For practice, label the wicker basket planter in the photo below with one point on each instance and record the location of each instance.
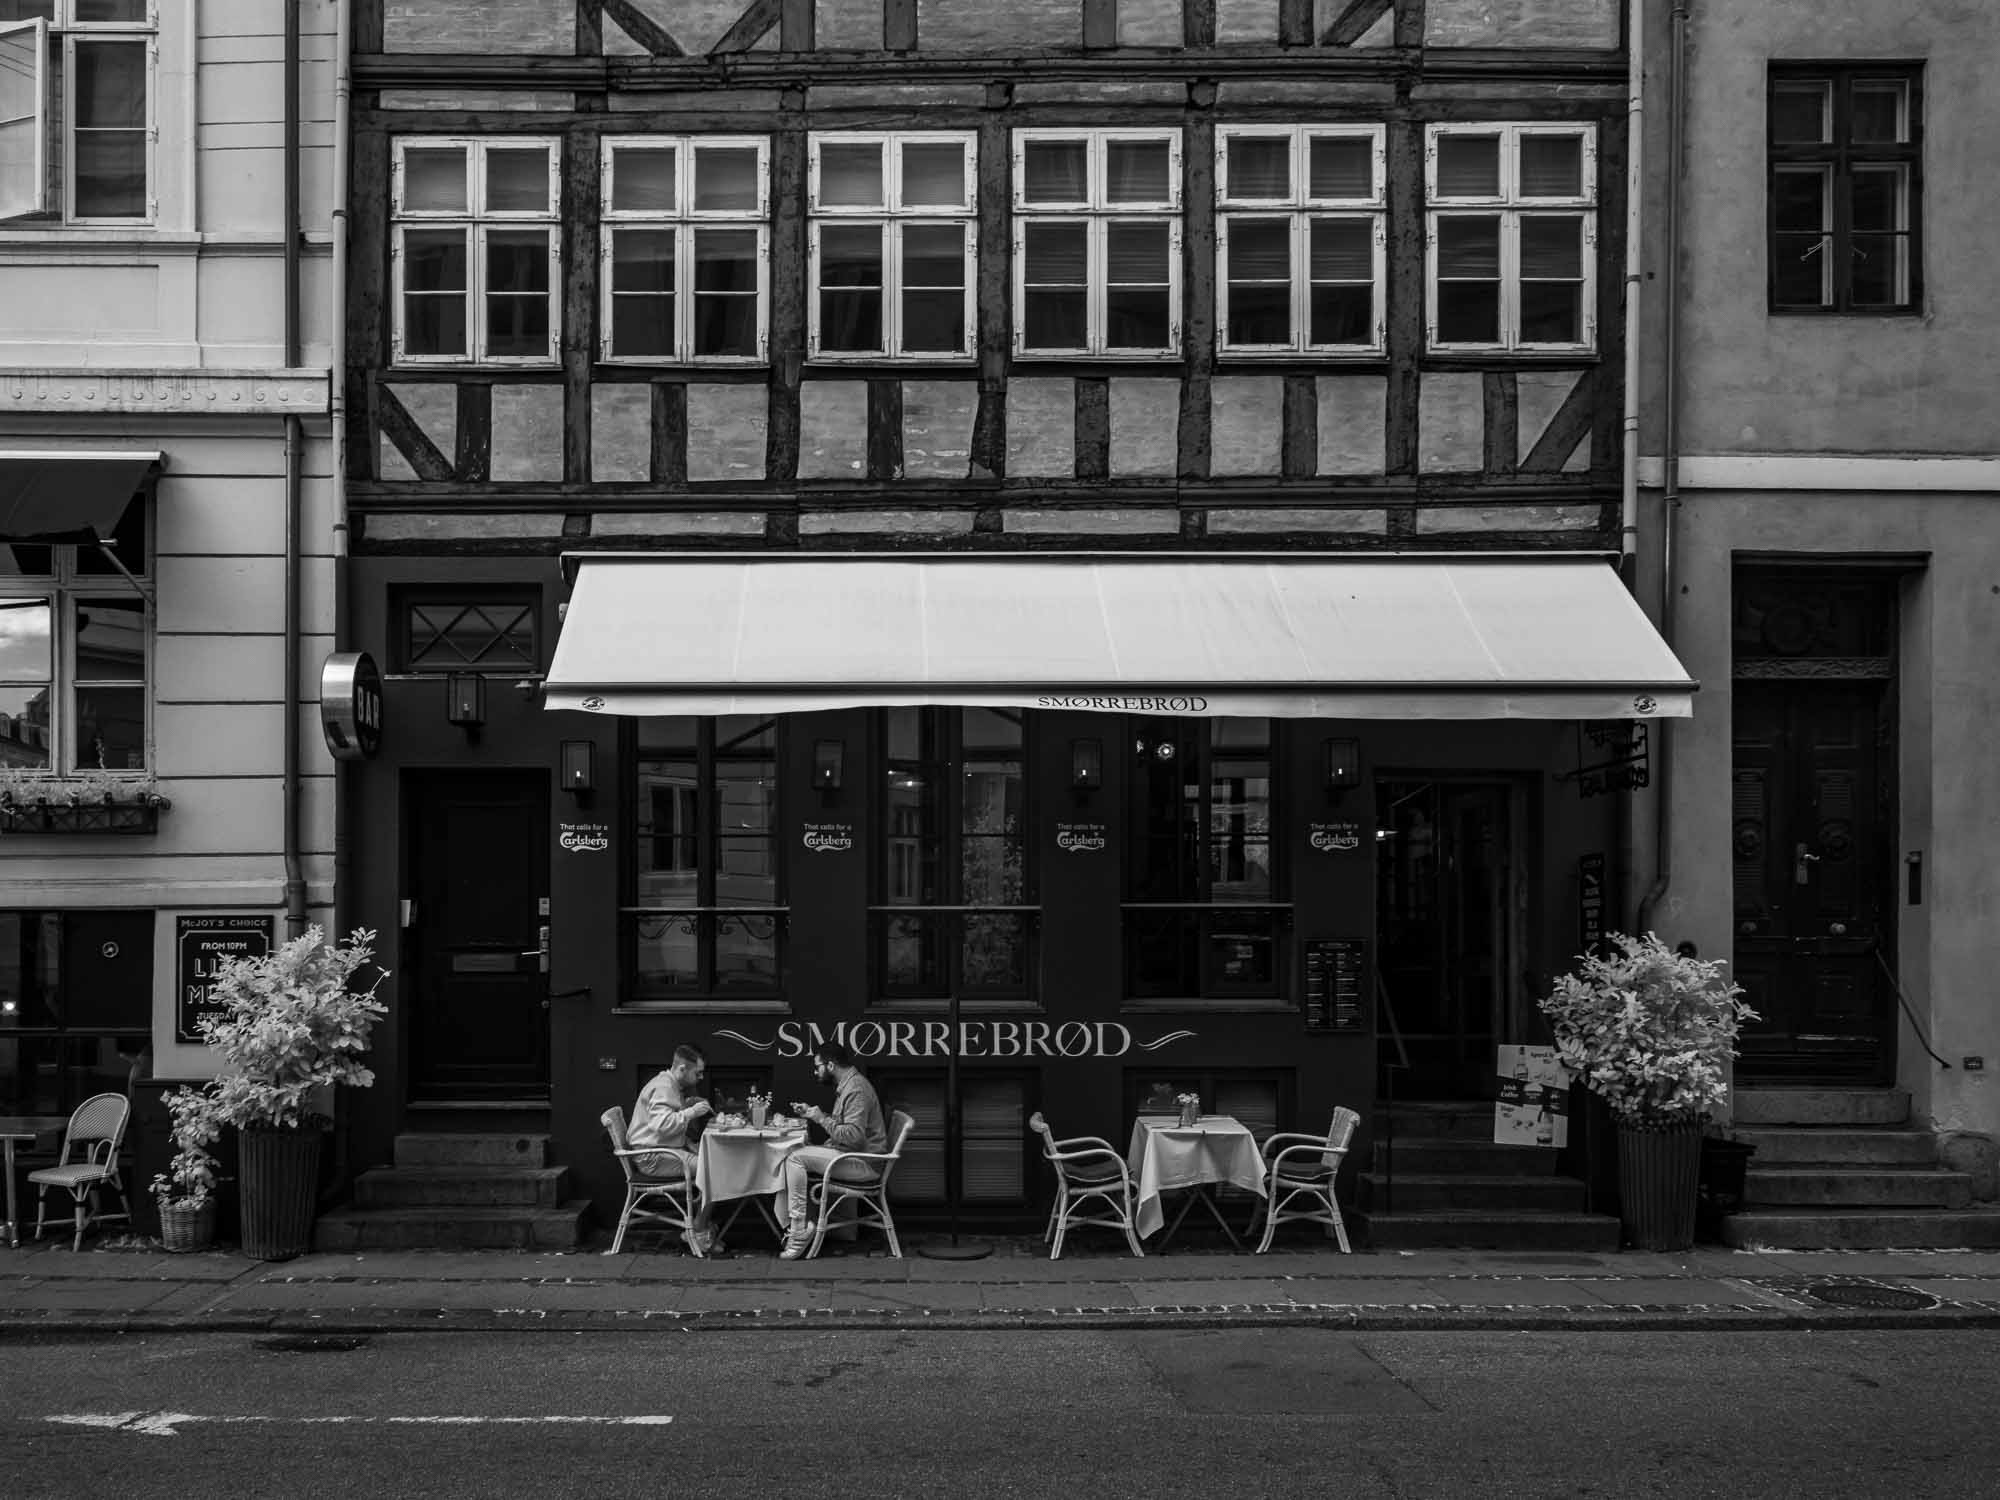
(278, 1178)
(186, 1227)
(1658, 1171)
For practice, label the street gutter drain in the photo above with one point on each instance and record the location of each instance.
(1886, 1298)
(314, 1343)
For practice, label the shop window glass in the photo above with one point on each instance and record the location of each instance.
(1205, 907)
(994, 1144)
(706, 919)
(1260, 1099)
(75, 1005)
(955, 911)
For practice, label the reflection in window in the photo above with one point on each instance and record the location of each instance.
(1204, 909)
(705, 917)
(66, 1034)
(954, 854)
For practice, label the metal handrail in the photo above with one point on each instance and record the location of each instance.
(1387, 1007)
(1909, 1011)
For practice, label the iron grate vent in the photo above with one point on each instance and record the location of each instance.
(314, 1343)
(1860, 1294)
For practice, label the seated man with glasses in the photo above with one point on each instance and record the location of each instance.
(854, 1124)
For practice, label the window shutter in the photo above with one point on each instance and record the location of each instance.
(24, 119)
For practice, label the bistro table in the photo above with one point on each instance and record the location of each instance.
(1167, 1156)
(37, 1131)
(744, 1161)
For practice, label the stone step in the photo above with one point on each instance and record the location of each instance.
(1856, 1187)
(1487, 1231)
(1784, 1145)
(1863, 1229)
(460, 1187)
(1848, 1107)
(347, 1229)
(1426, 1192)
(1441, 1154)
(1458, 1120)
(450, 1148)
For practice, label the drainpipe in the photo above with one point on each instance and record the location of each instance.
(295, 885)
(343, 15)
(1635, 262)
(1670, 446)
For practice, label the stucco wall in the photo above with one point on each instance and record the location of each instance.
(1757, 383)
(1948, 948)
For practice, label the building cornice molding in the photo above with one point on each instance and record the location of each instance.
(1824, 471)
(217, 393)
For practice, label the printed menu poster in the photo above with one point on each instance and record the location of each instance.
(1531, 1102)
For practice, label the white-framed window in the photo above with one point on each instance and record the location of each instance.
(78, 80)
(1301, 241)
(76, 653)
(1512, 242)
(477, 251)
(686, 249)
(893, 244)
(1097, 243)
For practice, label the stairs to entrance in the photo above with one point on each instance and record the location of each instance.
(1844, 1169)
(459, 1190)
(1440, 1182)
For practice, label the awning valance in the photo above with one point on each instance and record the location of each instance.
(74, 494)
(1297, 637)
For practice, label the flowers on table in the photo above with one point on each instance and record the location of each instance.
(760, 1106)
(1190, 1106)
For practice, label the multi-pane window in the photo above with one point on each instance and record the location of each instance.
(1513, 237)
(1097, 243)
(893, 245)
(685, 249)
(1845, 161)
(1300, 239)
(75, 655)
(454, 630)
(1204, 908)
(76, 109)
(955, 911)
(76, 1005)
(477, 250)
(706, 920)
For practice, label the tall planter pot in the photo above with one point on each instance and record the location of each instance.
(1658, 1170)
(278, 1180)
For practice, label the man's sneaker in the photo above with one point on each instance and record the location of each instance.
(797, 1241)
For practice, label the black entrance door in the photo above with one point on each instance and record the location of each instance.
(1444, 894)
(479, 859)
(1811, 872)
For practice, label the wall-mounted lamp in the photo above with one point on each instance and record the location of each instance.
(1086, 765)
(465, 701)
(827, 758)
(579, 766)
(1343, 767)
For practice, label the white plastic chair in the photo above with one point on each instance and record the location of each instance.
(673, 1187)
(870, 1194)
(95, 1132)
(1086, 1168)
(1306, 1166)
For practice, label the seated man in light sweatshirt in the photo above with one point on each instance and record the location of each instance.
(853, 1124)
(665, 1110)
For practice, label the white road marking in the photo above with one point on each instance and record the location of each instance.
(164, 1423)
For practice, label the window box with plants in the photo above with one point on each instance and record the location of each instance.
(40, 803)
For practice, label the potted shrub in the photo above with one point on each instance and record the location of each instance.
(291, 1023)
(1651, 1031)
(186, 1190)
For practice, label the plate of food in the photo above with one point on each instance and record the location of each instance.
(731, 1122)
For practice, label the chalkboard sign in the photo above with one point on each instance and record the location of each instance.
(201, 943)
(1335, 970)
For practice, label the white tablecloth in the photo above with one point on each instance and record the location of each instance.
(1164, 1155)
(743, 1163)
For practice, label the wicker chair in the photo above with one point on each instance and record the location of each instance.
(1306, 1166)
(95, 1132)
(1086, 1168)
(673, 1188)
(870, 1194)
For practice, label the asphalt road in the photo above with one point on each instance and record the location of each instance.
(1235, 1413)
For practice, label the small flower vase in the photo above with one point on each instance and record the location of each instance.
(758, 1113)
(1190, 1113)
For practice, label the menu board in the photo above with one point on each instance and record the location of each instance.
(1335, 970)
(204, 943)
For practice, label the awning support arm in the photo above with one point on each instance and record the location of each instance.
(110, 551)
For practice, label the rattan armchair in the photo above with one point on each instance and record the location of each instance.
(88, 1163)
(1086, 1168)
(672, 1187)
(868, 1193)
(1306, 1166)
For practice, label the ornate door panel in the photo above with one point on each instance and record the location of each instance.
(1811, 869)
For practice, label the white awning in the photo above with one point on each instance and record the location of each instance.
(1297, 637)
(76, 493)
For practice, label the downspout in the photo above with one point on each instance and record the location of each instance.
(1670, 448)
(1624, 831)
(343, 14)
(295, 885)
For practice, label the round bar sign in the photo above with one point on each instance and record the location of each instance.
(350, 705)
